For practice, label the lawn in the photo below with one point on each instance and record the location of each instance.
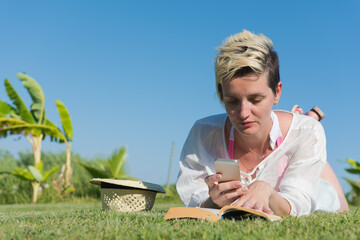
(88, 221)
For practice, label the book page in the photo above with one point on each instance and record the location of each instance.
(236, 212)
(213, 210)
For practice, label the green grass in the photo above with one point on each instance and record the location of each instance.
(88, 221)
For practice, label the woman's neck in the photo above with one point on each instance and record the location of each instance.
(251, 143)
(258, 142)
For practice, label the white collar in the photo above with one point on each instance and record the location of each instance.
(275, 132)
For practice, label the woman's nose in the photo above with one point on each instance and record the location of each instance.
(244, 110)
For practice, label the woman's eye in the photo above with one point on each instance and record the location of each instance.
(231, 101)
(255, 101)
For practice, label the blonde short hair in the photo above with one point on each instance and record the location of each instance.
(245, 53)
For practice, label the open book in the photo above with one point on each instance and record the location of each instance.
(211, 214)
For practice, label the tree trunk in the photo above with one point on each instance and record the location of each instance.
(35, 186)
(36, 145)
(68, 166)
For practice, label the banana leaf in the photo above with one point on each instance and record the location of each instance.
(117, 162)
(37, 96)
(18, 175)
(69, 189)
(47, 174)
(39, 167)
(17, 126)
(5, 108)
(23, 111)
(23, 174)
(94, 172)
(353, 171)
(355, 186)
(65, 120)
(36, 173)
(353, 163)
(52, 125)
(100, 164)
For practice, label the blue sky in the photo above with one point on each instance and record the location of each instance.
(140, 73)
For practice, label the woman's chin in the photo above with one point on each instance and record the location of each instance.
(248, 132)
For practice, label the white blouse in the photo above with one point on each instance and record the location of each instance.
(293, 169)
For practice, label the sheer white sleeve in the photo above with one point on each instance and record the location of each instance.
(307, 158)
(190, 185)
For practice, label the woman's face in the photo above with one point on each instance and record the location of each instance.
(248, 102)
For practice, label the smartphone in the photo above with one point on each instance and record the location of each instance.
(228, 168)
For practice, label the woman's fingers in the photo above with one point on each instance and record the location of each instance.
(267, 209)
(224, 193)
(258, 206)
(212, 180)
(240, 201)
(226, 186)
(231, 195)
(249, 203)
(261, 207)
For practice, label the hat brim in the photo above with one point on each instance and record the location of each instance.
(129, 184)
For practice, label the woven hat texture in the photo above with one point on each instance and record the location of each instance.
(127, 195)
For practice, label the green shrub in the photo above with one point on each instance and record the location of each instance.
(353, 197)
(13, 190)
(171, 195)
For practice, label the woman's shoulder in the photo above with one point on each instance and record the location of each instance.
(207, 137)
(213, 120)
(210, 127)
(285, 120)
(297, 122)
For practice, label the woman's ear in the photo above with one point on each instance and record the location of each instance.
(278, 93)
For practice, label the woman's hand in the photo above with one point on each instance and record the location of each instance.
(257, 197)
(223, 193)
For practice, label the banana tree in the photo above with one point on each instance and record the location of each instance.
(36, 175)
(112, 167)
(67, 138)
(35, 116)
(18, 119)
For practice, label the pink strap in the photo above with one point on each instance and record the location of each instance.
(279, 141)
(231, 149)
(231, 143)
(282, 165)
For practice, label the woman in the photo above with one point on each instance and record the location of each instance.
(282, 156)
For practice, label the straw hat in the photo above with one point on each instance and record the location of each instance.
(127, 195)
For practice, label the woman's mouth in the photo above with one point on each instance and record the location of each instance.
(246, 124)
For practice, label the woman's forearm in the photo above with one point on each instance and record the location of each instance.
(279, 205)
